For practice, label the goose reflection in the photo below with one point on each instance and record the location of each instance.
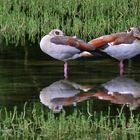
(63, 93)
(120, 90)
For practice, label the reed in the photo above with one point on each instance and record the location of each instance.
(22, 20)
(39, 123)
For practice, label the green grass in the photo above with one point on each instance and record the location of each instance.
(30, 19)
(39, 123)
(22, 20)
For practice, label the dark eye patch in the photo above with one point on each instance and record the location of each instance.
(57, 33)
(129, 30)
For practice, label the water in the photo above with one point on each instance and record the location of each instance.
(29, 76)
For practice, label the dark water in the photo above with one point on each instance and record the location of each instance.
(28, 75)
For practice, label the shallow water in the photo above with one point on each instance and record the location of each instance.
(27, 75)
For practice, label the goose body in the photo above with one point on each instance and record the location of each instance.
(58, 51)
(127, 50)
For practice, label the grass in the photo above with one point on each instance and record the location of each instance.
(22, 20)
(29, 20)
(41, 124)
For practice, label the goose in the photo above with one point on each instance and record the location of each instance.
(64, 48)
(120, 45)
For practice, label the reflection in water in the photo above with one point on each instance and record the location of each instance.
(63, 93)
(119, 90)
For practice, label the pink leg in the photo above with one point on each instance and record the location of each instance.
(65, 70)
(121, 68)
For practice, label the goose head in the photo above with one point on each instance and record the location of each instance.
(134, 31)
(56, 32)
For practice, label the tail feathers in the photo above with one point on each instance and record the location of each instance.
(96, 53)
(104, 46)
(86, 54)
(99, 51)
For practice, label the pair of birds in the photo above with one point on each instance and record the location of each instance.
(121, 45)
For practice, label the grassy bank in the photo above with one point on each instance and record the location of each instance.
(40, 124)
(30, 19)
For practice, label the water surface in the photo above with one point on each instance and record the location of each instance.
(29, 76)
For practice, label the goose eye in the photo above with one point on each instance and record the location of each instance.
(57, 33)
(129, 30)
